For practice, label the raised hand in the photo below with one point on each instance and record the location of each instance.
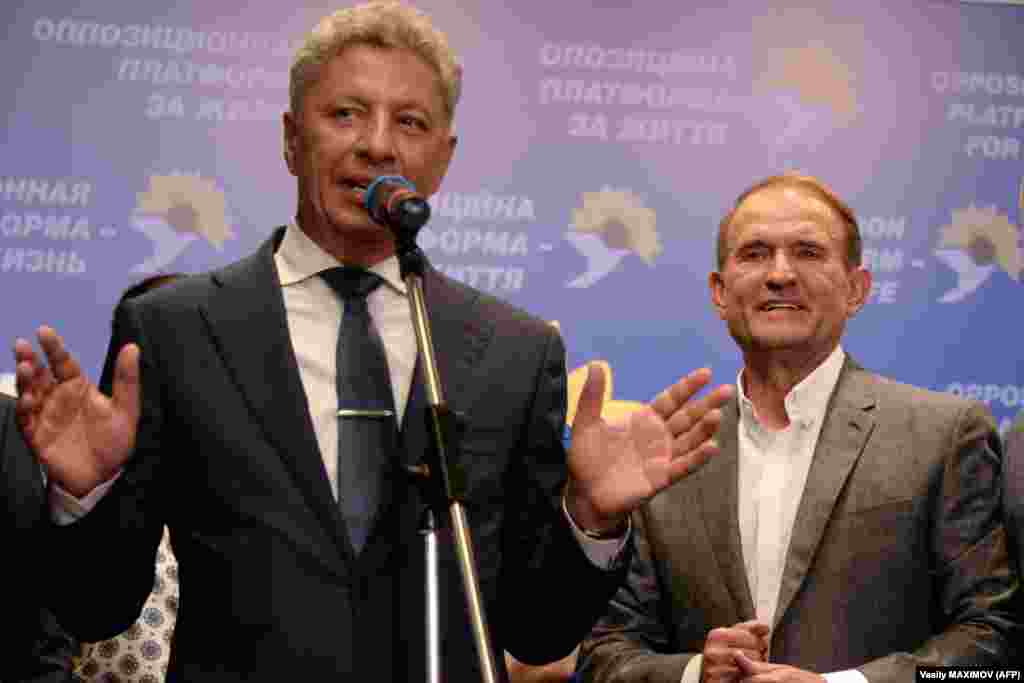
(81, 436)
(616, 466)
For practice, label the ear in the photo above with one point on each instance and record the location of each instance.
(717, 286)
(860, 289)
(291, 141)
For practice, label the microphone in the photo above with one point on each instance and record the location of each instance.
(392, 201)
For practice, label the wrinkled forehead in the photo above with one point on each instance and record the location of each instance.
(785, 210)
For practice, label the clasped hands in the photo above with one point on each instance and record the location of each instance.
(739, 654)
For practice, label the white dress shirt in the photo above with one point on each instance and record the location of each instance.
(314, 313)
(773, 467)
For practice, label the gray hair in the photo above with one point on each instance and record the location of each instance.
(814, 187)
(384, 24)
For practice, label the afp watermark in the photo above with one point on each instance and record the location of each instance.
(967, 673)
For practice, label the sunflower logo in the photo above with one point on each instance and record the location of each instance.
(610, 225)
(174, 211)
(812, 82)
(975, 243)
(817, 76)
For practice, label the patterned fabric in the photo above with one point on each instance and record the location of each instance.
(140, 653)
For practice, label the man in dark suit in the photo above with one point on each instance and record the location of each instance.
(238, 450)
(35, 648)
(850, 529)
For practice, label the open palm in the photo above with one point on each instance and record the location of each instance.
(615, 465)
(81, 436)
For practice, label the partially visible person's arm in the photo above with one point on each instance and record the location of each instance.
(631, 642)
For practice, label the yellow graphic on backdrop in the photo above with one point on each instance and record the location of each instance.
(188, 204)
(817, 75)
(813, 81)
(985, 235)
(174, 211)
(577, 378)
(976, 243)
(612, 409)
(610, 225)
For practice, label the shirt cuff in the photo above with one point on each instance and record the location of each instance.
(691, 674)
(602, 553)
(845, 676)
(67, 509)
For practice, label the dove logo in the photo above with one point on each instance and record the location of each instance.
(975, 244)
(610, 225)
(176, 210)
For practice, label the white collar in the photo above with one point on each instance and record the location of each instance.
(807, 401)
(299, 258)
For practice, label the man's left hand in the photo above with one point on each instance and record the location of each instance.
(766, 672)
(615, 467)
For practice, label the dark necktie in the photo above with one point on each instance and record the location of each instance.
(367, 430)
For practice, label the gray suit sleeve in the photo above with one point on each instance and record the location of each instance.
(974, 609)
(633, 641)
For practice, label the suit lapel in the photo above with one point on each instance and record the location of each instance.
(848, 423)
(719, 483)
(248, 323)
(460, 338)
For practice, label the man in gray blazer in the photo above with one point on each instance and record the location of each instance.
(851, 527)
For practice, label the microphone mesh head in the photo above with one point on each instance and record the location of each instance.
(375, 198)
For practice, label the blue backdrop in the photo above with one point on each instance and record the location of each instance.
(600, 143)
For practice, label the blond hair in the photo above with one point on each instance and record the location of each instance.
(385, 24)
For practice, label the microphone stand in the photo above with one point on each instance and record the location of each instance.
(442, 487)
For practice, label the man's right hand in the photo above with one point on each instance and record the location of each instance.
(82, 437)
(719, 663)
